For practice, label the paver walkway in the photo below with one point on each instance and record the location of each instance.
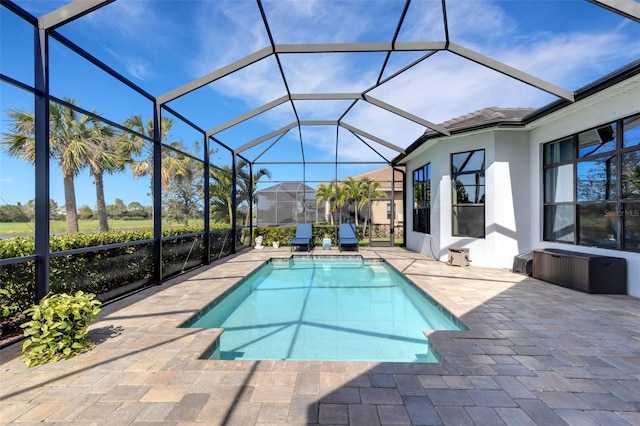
(535, 354)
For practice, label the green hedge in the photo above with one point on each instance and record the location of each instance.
(107, 273)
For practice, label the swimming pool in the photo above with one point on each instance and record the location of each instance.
(315, 308)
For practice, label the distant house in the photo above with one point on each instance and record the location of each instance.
(286, 203)
(381, 207)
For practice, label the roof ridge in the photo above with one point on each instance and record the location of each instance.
(488, 114)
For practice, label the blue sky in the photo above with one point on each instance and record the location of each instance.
(162, 44)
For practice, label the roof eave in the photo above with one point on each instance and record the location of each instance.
(596, 86)
(495, 124)
(590, 89)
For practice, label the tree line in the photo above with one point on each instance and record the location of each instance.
(79, 141)
(118, 210)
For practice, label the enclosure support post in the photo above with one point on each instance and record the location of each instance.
(41, 116)
(251, 198)
(157, 194)
(234, 211)
(207, 204)
(304, 191)
(392, 208)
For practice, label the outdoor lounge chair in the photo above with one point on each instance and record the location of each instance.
(304, 236)
(348, 237)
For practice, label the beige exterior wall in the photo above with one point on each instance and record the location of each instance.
(379, 210)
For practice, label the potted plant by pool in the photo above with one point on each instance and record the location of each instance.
(59, 327)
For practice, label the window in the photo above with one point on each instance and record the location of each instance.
(422, 199)
(468, 186)
(597, 141)
(592, 187)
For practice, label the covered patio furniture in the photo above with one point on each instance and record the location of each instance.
(348, 237)
(304, 236)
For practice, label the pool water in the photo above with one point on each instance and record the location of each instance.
(315, 309)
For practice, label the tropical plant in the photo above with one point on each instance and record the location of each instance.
(352, 191)
(68, 142)
(184, 195)
(246, 192)
(221, 186)
(135, 145)
(326, 192)
(370, 191)
(340, 201)
(104, 157)
(220, 190)
(59, 327)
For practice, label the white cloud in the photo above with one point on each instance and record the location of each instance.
(574, 59)
(446, 86)
(325, 21)
(139, 68)
(321, 110)
(126, 18)
(228, 31)
(479, 22)
(256, 84)
(442, 87)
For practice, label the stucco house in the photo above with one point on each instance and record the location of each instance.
(510, 180)
(381, 207)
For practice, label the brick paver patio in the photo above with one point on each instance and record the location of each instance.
(535, 354)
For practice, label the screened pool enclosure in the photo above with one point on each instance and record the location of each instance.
(141, 139)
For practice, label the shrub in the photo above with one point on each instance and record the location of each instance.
(108, 273)
(58, 327)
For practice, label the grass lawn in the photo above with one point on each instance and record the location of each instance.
(9, 229)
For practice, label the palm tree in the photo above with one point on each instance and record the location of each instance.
(133, 145)
(326, 192)
(342, 197)
(220, 190)
(370, 191)
(352, 192)
(106, 157)
(246, 192)
(220, 194)
(185, 172)
(67, 145)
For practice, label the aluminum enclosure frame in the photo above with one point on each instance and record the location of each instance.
(48, 24)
